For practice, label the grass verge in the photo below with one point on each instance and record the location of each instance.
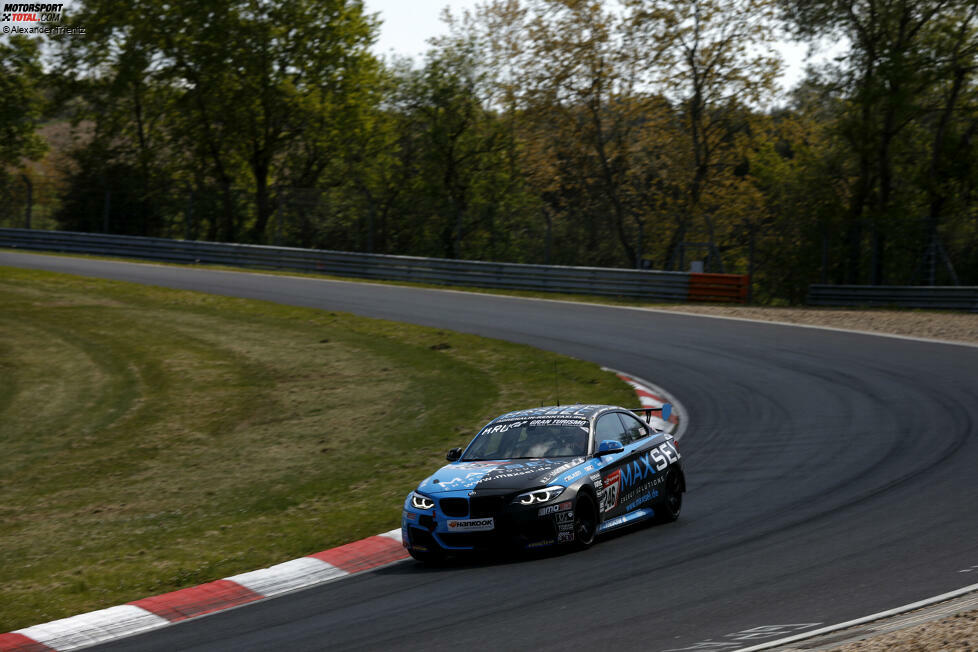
(152, 439)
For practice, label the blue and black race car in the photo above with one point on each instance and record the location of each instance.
(546, 476)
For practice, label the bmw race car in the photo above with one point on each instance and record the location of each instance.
(543, 477)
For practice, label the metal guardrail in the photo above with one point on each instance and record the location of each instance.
(903, 296)
(640, 284)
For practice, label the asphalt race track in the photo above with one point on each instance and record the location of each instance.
(831, 475)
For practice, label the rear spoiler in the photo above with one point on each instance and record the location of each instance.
(666, 411)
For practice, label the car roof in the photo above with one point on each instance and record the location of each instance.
(579, 411)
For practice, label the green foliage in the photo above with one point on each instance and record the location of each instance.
(635, 132)
(21, 101)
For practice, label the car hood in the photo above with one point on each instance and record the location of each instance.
(497, 474)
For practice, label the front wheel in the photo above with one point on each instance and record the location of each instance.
(585, 521)
(672, 499)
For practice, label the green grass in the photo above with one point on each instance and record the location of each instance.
(152, 439)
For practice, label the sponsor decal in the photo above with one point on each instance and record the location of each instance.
(477, 464)
(553, 509)
(411, 516)
(540, 544)
(636, 472)
(655, 482)
(501, 427)
(549, 477)
(670, 451)
(644, 498)
(555, 411)
(565, 527)
(570, 477)
(578, 423)
(472, 525)
(564, 517)
(518, 469)
(565, 537)
(462, 481)
(651, 461)
(611, 484)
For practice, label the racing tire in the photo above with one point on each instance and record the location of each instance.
(672, 498)
(585, 521)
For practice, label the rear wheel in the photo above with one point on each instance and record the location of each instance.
(585, 521)
(672, 499)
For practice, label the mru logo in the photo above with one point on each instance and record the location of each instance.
(31, 13)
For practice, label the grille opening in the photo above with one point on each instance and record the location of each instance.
(485, 506)
(454, 506)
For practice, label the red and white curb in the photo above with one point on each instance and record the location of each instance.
(158, 611)
(652, 396)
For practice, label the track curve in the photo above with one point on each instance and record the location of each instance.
(831, 475)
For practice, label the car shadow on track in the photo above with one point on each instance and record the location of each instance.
(472, 560)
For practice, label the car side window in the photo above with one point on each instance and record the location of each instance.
(635, 428)
(609, 427)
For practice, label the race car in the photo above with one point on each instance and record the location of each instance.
(546, 476)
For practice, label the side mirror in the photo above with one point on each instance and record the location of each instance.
(610, 446)
(454, 455)
(666, 411)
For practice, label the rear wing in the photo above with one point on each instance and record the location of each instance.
(666, 411)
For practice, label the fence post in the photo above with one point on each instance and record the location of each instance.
(105, 211)
(30, 200)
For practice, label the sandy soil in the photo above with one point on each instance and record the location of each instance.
(959, 327)
(959, 633)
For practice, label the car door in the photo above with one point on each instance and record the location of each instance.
(648, 458)
(609, 426)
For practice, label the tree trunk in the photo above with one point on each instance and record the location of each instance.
(30, 200)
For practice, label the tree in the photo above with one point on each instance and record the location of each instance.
(21, 100)
(21, 104)
(909, 62)
(715, 63)
(243, 86)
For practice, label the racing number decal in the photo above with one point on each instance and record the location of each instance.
(609, 491)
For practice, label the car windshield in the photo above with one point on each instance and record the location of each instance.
(529, 438)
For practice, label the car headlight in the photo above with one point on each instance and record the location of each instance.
(421, 502)
(540, 495)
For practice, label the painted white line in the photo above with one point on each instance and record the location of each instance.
(94, 627)
(288, 576)
(862, 621)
